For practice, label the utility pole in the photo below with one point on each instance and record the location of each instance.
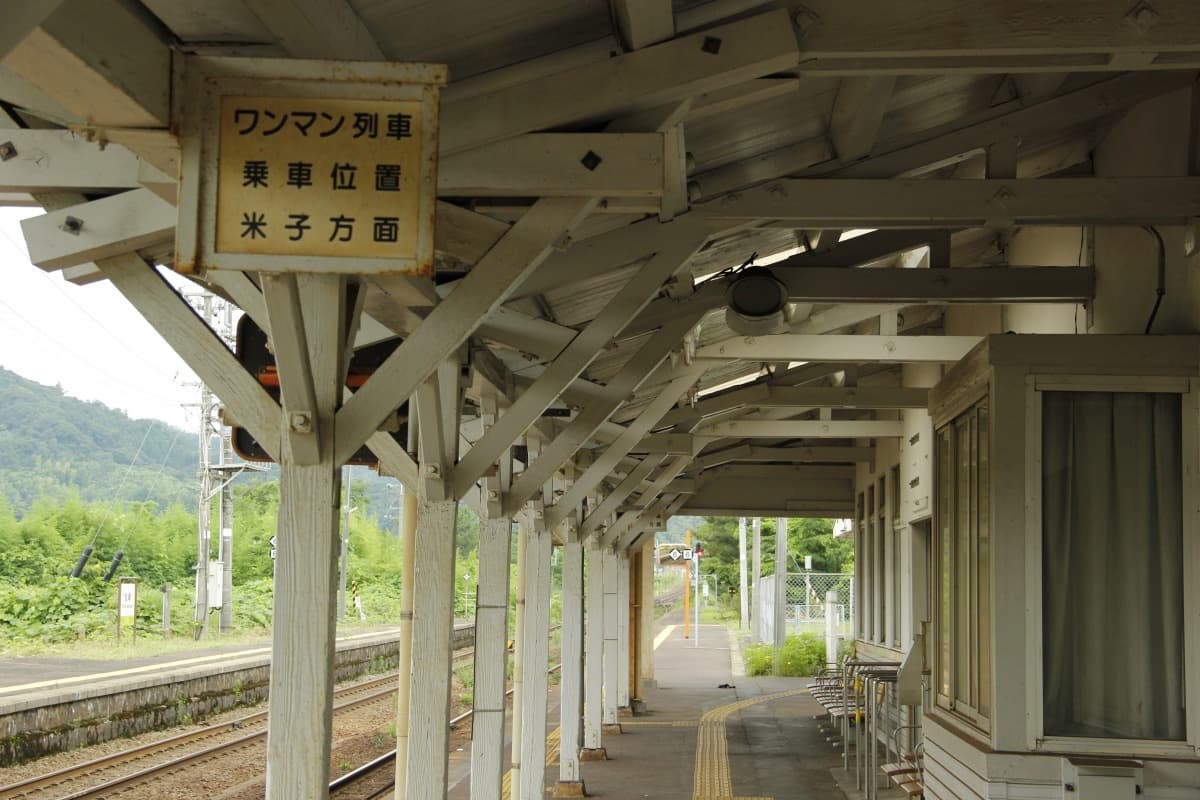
(226, 506)
(215, 480)
(228, 471)
(203, 549)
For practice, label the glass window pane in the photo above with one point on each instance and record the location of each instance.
(881, 572)
(984, 564)
(1112, 577)
(945, 472)
(962, 560)
(895, 478)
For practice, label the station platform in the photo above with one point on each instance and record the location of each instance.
(755, 740)
(51, 705)
(23, 674)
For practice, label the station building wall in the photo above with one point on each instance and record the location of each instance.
(894, 497)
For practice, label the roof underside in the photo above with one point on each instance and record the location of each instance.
(873, 91)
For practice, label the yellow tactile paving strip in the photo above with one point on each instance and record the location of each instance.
(712, 777)
(552, 741)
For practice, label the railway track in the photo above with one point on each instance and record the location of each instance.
(111, 775)
(376, 778)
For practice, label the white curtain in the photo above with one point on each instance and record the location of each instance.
(1112, 561)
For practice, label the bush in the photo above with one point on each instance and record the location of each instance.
(801, 655)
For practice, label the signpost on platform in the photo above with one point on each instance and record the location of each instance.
(681, 554)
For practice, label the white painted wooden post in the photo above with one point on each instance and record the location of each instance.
(622, 633)
(593, 663)
(780, 586)
(301, 700)
(743, 601)
(311, 318)
(518, 677)
(646, 670)
(491, 656)
(433, 601)
(536, 636)
(756, 583)
(611, 651)
(491, 632)
(570, 781)
(491, 650)
(433, 620)
(407, 580)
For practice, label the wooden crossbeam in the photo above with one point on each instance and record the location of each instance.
(843, 397)
(621, 446)
(876, 203)
(1013, 284)
(982, 37)
(787, 347)
(858, 114)
(574, 358)
(616, 392)
(80, 234)
(794, 455)
(805, 429)
(102, 60)
(643, 22)
(56, 160)
(281, 296)
(456, 318)
(558, 165)
(328, 29)
(1013, 119)
(682, 67)
(198, 345)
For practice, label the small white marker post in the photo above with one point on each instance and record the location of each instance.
(696, 605)
(127, 607)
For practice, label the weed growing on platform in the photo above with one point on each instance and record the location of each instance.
(800, 656)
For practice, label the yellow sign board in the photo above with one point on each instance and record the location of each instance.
(312, 166)
(319, 177)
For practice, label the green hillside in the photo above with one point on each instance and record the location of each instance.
(53, 446)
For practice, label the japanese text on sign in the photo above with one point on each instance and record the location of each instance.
(128, 605)
(318, 177)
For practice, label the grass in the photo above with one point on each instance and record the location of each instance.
(106, 649)
(801, 655)
(715, 614)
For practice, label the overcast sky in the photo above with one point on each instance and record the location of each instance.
(88, 339)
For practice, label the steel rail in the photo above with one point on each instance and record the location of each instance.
(68, 774)
(32, 787)
(222, 748)
(346, 782)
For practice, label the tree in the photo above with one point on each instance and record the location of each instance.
(814, 537)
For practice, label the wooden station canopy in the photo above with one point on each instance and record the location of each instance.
(605, 168)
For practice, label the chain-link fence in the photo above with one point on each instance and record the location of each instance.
(808, 604)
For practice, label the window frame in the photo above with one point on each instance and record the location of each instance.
(859, 565)
(896, 555)
(882, 542)
(966, 420)
(1189, 391)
